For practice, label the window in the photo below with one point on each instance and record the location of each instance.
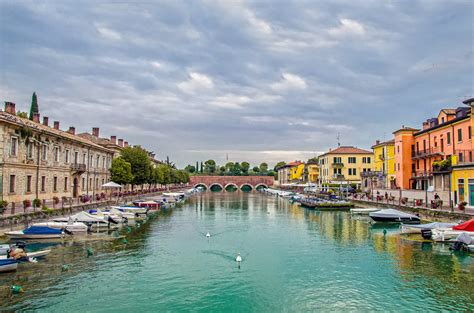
(368, 160)
(55, 183)
(398, 166)
(97, 161)
(469, 133)
(352, 160)
(350, 171)
(76, 157)
(398, 149)
(83, 183)
(470, 156)
(43, 183)
(14, 147)
(96, 183)
(460, 157)
(442, 120)
(103, 181)
(83, 158)
(354, 171)
(459, 134)
(56, 154)
(29, 150)
(12, 183)
(65, 184)
(448, 139)
(44, 152)
(28, 183)
(90, 160)
(90, 183)
(67, 156)
(103, 162)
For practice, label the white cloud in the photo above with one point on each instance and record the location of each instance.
(196, 81)
(230, 101)
(288, 82)
(108, 33)
(347, 27)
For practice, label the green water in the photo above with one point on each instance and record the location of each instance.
(294, 260)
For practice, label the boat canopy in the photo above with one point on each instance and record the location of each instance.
(465, 238)
(41, 230)
(392, 213)
(466, 226)
(433, 225)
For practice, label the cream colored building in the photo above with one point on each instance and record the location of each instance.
(344, 165)
(39, 161)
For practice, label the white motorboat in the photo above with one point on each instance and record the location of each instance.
(36, 254)
(124, 215)
(8, 265)
(70, 226)
(86, 218)
(364, 211)
(417, 229)
(450, 234)
(132, 209)
(35, 232)
(394, 216)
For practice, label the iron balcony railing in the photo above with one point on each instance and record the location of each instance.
(78, 167)
(337, 164)
(426, 153)
(372, 174)
(419, 174)
(338, 176)
(464, 157)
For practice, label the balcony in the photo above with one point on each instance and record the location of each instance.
(338, 177)
(78, 168)
(464, 157)
(338, 164)
(372, 174)
(435, 151)
(421, 174)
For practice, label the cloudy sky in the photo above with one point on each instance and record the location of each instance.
(262, 80)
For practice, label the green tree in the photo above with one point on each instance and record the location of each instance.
(255, 169)
(222, 170)
(34, 105)
(236, 169)
(190, 169)
(229, 167)
(202, 168)
(263, 167)
(210, 166)
(245, 166)
(140, 162)
(121, 171)
(313, 159)
(22, 114)
(279, 164)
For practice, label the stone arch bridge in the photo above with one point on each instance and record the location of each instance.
(231, 182)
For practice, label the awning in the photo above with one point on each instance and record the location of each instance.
(111, 185)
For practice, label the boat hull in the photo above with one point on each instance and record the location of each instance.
(36, 254)
(405, 220)
(8, 266)
(21, 235)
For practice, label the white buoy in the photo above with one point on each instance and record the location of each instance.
(238, 259)
(208, 235)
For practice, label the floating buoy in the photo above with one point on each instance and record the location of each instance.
(125, 241)
(384, 232)
(16, 289)
(64, 268)
(129, 229)
(208, 235)
(90, 252)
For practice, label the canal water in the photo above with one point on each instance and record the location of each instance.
(293, 260)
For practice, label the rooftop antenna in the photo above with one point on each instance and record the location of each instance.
(338, 140)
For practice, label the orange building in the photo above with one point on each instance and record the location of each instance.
(423, 157)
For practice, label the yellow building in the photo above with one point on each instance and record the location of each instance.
(383, 174)
(344, 165)
(462, 175)
(296, 171)
(312, 171)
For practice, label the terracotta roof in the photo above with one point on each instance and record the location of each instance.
(406, 128)
(449, 111)
(385, 143)
(348, 150)
(295, 163)
(13, 119)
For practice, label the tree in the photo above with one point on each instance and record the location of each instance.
(121, 171)
(164, 174)
(279, 164)
(210, 166)
(263, 167)
(222, 170)
(245, 168)
(313, 159)
(190, 169)
(34, 105)
(255, 169)
(202, 169)
(229, 166)
(140, 162)
(22, 114)
(236, 170)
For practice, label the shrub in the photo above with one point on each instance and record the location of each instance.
(37, 203)
(85, 198)
(26, 203)
(3, 204)
(46, 210)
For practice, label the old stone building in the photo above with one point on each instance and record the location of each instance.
(39, 161)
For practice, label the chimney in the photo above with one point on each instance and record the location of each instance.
(125, 144)
(56, 125)
(120, 142)
(113, 139)
(72, 130)
(45, 121)
(36, 117)
(377, 142)
(10, 107)
(426, 125)
(95, 131)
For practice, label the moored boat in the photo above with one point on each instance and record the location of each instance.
(363, 211)
(418, 228)
(35, 232)
(450, 234)
(70, 226)
(394, 216)
(8, 265)
(35, 254)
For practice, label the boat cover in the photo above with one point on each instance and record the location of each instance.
(42, 230)
(432, 225)
(465, 238)
(392, 213)
(466, 226)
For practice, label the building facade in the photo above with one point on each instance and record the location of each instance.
(383, 174)
(312, 172)
(344, 165)
(39, 161)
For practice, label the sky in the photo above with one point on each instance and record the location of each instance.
(239, 80)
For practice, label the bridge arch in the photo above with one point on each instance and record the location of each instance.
(231, 187)
(201, 185)
(260, 186)
(216, 187)
(246, 187)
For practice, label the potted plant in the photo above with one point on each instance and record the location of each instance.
(462, 205)
(36, 203)
(55, 200)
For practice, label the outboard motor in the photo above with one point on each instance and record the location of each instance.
(426, 234)
(461, 243)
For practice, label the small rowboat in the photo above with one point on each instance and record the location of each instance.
(36, 254)
(8, 265)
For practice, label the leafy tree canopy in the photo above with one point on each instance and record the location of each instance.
(121, 171)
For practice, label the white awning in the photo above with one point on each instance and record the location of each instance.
(111, 185)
